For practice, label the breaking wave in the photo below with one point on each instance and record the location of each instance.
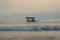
(30, 28)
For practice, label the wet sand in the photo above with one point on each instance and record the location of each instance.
(32, 35)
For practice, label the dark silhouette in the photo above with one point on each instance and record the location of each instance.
(30, 19)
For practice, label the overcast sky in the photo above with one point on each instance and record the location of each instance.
(28, 6)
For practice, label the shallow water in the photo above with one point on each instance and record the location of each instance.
(26, 35)
(30, 27)
(30, 31)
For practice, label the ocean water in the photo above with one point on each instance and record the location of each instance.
(30, 31)
(22, 25)
(31, 27)
(16, 29)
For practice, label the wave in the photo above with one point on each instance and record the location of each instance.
(29, 28)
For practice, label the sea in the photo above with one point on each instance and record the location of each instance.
(29, 30)
(30, 26)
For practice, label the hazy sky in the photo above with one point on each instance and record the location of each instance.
(42, 9)
(29, 6)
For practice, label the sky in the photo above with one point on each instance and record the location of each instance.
(8, 7)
